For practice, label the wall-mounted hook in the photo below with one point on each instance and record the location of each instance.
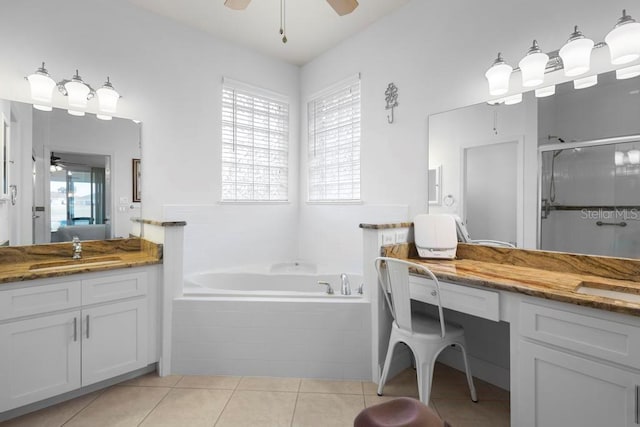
(391, 96)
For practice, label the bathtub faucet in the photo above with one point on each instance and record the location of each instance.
(328, 285)
(346, 287)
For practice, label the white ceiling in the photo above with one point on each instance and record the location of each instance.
(312, 26)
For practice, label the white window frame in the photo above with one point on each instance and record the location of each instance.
(231, 141)
(351, 142)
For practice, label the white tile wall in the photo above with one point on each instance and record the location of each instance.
(272, 338)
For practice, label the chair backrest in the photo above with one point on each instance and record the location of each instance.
(393, 277)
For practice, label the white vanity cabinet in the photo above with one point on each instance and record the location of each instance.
(577, 367)
(57, 335)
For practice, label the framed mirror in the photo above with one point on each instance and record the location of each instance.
(4, 157)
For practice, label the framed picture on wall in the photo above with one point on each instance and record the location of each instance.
(136, 179)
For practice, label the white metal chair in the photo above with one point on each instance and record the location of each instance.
(424, 335)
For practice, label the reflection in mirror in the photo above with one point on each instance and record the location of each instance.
(72, 176)
(590, 169)
(434, 180)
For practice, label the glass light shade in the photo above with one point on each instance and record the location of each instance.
(628, 73)
(77, 92)
(107, 98)
(498, 77)
(41, 90)
(76, 113)
(103, 117)
(618, 158)
(532, 66)
(546, 91)
(634, 157)
(514, 99)
(576, 56)
(624, 41)
(585, 82)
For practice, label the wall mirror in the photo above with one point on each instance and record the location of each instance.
(579, 149)
(68, 176)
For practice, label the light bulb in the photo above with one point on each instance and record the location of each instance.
(618, 158)
(634, 157)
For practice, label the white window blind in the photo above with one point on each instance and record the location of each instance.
(255, 144)
(334, 144)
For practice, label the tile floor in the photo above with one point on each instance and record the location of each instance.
(219, 401)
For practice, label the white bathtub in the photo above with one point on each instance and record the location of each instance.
(268, 285)
(271, 321)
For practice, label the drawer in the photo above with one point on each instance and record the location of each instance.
(615, 341)
(111, 288)
(474, 301)
(39, 299)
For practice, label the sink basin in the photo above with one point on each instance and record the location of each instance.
(74, 263)
(607, 290)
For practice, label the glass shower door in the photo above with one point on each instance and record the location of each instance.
(626, 221)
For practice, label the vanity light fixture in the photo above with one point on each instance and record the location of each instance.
(546, 91)
(533, 65)
(624, 40)
(585, 82)
(576, 54)
(77, 91)
(628, 73)
(498, 76)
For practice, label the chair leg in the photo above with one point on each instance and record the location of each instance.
(387, 364)
(425, 378)
(472, 388)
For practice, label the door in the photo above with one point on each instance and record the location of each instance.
(114, 340)
(39, 358)
(561, 389)
(491, 191)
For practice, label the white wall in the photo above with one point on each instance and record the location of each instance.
(170, 78)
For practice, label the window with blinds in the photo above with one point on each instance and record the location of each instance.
(255, 144)
(334, 144)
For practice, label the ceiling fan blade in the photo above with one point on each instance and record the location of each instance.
(343, 7)
(237, 4)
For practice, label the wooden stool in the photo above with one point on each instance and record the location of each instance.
(400, 412)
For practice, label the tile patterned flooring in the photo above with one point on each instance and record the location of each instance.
(220, 401)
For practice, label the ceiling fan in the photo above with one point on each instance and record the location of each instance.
(342, 7)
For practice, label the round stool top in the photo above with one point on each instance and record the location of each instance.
(400, 412)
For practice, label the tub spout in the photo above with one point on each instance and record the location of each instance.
(346, 287)
(328, 285)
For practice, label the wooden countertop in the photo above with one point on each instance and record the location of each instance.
(550, 275)
(20, 263)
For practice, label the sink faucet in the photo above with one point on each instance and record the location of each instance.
(328, 285)
(77, 248)
(346, 287)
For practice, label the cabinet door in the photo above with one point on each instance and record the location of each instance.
(561, 389)
(114, 340)
(39, 358)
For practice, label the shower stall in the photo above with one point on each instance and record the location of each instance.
(590, 196)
